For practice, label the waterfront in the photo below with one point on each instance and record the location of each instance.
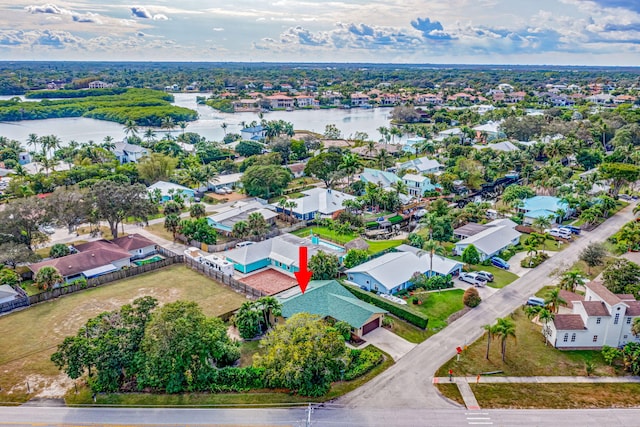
(209, 123)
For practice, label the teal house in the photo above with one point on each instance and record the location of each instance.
(329, 299)
(544, 206)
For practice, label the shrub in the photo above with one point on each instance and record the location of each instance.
(414, 318)
(59, 250)
(470, 255)
(534, 260)
(362, 361)
(387, 321)
(471, 298)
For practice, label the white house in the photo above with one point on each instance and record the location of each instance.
(255, 133)
(422, 165)
(129, 153)
(317, 201)
(417, 185)
(603, 318)
(97, 84)
(491, 241)
(169, 189)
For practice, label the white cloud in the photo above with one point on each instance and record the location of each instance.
(160, 17)
(218, 29)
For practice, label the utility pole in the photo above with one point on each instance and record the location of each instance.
(309, 411)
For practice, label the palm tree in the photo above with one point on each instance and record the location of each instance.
(269, 306)
(545, 316)
(553, 300)
(570, 280)
(240, 229)
(167, 123)
(130, 127)
(490, 329)
(183, 125)
(541, 223)
(371, 147)
(504, 329)
(32, 140)
(350, 165)
(432, 248)
(47, 277)
(149, 135)
(383, 159)
(635, 327)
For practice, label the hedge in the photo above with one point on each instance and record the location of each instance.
(414, 318)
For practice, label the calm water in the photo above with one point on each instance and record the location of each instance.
(208, 125)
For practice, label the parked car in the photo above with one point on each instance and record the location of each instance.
(572, 228)
(47, 229)
(220, 191)
(562, 233)
(473, 278)
(227, 190)
(485, 275)
(243, 244)
(500, 263)
(535, 301)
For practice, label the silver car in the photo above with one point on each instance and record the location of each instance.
(473, 278)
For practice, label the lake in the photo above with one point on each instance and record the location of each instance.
(208, 124)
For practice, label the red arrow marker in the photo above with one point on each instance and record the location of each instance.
(303, 275)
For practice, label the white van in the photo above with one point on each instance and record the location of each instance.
(563, 233)
(243, 244)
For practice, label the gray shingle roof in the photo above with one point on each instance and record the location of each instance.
(492, 239)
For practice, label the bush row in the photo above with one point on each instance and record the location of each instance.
(232, 379)
(362, 361)
(411, 317)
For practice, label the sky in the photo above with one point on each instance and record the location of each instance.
(559, 32)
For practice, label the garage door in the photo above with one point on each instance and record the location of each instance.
(370, 326)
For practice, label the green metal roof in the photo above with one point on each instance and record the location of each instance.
(327, 298)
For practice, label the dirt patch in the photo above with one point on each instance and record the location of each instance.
(43, 386)
(270, 281)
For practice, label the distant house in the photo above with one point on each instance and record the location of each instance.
(170, 189)
(305, 101)
(129, 153)
(255, 133)
(544, 206)
(423, 165)
(602, 318)
(411, 144)
(227, 217)
(317, 201)
(281, 252)
(280, 101)
(329, 299)
(506, 146)
(230, 180)
(99, 257)
(491, 241)
(393, 271)
(417, 185)
(297, 169)
(359, 99)
(97, 84)
(24, 158)
(491, 130)
(381, 178)
(8, 294)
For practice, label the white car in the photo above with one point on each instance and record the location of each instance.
(227, 190)
(47, 229)
(563, 233)
(473, 278)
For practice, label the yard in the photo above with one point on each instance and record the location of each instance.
(439, 306)
(30, 336)
(501, 278)
(375, 246)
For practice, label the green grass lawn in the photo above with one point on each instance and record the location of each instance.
(501, 278)
(558, 396)
(439, 306)
(375, 246)
(409, 332)
(247, 350)
(159, 230)
(257, 397)
(526, 356)
(30, 336)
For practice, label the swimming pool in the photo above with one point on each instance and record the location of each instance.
(328, 245)
(154, 258)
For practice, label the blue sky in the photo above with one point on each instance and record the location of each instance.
(571, 32)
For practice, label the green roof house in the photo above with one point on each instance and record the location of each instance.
(328, 298)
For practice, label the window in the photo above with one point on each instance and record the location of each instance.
(598, 320)
(595, 338)
(625, 337)
(573, 337)
(616, 319)
(566, 338)
(628, 320)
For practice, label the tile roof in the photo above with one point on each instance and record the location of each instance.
(570, 297)
(568, 322)
(634, 308)
(626, 297)
(328, 298)
(595, 308)
(133, 242)
(270, 281)
(469, 229)
(605, 294)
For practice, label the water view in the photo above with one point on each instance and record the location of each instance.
(208, 125)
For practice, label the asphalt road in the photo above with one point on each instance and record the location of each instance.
(330, 417)
(408, 383)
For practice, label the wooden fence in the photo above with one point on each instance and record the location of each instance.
(21, 301)
(223, 278)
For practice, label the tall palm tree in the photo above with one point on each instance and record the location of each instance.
(541, 223)
(183, 125)
(130, 128)
(350, 165)
(490, 330)
(432, 248)
(371, 146)
(545, 316)
(570, 280)
(504, 329)
(167, 123)
(269, 306)
(553, 300)
(149, 135)
(32, 140)
(383, 159)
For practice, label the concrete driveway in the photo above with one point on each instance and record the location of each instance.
(387, 341)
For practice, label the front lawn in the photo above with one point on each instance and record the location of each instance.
(30, 336)
(526, 356)
(408, 331)
(439, 306)
(501, 278)
(159, 230)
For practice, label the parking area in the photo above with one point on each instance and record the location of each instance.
(389, 342)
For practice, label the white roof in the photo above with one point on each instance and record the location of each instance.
(165, 186)
(130, 148)
(501, 222)
(100, 270)
(231, 178)
(492, 239)
(414, 177)
(240, 211)
(35, 167)
(499, 146)
(394, 268)
(283, 248)
(421, 164)
(324, 201)
(7, 293)
(492, 127)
